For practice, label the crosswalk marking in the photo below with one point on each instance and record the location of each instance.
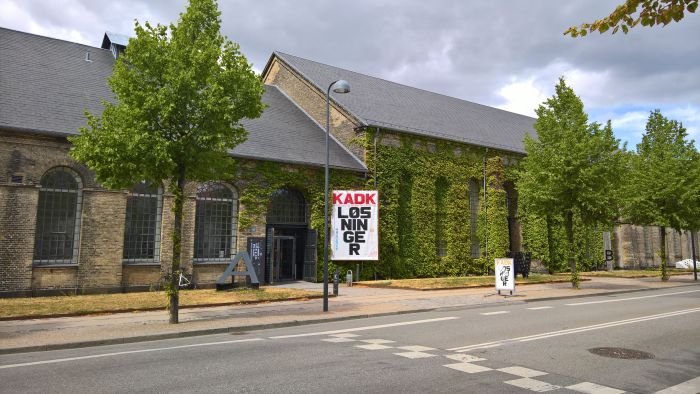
(468, 367)
(532, 384)
(690, 386)
(592, 388)
(522, 372)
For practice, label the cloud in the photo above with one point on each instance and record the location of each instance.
(505, 54)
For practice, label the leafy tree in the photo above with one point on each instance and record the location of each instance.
(180, 94)
(572, 170)
(663, 188)
(626, 16)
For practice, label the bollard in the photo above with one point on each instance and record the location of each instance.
(336, 280)
(348, 278)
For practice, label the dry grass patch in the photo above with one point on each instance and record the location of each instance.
(456, 282)
(124, 302)
(653, 273)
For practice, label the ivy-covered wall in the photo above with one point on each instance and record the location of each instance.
(425, 211)
(258, 181)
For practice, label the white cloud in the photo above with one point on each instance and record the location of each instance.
(521, 97)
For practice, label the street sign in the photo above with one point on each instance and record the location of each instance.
(505, 275)
(355, 225)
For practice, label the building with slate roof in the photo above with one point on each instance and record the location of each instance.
(447, 204)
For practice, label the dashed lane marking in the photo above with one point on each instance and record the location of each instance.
(537, 308)
(494, 313)
(468, 367)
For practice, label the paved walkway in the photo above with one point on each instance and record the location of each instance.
(354, 302)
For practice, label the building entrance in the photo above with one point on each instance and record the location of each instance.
(290, 244)
(283, 258)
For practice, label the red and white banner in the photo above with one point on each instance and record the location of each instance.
(355, 225)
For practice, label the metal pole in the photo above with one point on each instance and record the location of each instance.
(692, 247)
(325, 202)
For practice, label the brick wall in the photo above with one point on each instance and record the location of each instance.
(102, 239)
(17, 222)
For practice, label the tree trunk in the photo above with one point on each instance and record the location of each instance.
(178, 207)
(664, 274)
(550, 244)
(569, 224)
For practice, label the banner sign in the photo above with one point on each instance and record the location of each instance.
(505, 275)
(355, 225)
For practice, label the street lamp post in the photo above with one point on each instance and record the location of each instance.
(341, 86)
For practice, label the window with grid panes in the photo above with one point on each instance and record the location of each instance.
(58, 218)
(216, 222)
(474, 217)
(142, 225)
(287, 207)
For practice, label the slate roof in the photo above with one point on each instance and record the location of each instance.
(46, 85)
(286, 133)
(378, 102)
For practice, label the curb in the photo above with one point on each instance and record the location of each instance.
(295, 323)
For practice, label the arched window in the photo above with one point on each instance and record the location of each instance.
(441, 186)
(216, 222)
(58, 218)
(142, 226)
(287, 207)
(474, 217)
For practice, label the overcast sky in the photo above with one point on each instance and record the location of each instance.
(506, 54)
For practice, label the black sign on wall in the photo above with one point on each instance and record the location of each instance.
(256, 250)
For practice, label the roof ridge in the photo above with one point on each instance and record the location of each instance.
(50, 38)
(404, 85)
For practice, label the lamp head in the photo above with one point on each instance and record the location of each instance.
(341, 86)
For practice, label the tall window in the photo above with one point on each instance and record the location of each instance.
(474, 217)
(58, 218)
(142, 228)
(441, 186)
(216, 222)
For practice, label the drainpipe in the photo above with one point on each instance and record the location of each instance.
(376, 161)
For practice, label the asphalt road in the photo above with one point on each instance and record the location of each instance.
(526, 347)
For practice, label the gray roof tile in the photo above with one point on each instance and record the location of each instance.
(46, 85)
(378, 102)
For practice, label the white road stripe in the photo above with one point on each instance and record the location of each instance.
(406, 323)
(537, 308)
(691, 386)
(62, 360)
(573, 330)
(632, 298)
(494, 313)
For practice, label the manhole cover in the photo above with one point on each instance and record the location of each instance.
(619, 352)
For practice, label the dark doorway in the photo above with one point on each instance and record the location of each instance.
(286, 237)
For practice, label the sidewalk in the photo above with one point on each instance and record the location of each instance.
(354, 302)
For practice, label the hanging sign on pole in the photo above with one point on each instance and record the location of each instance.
(355, 225)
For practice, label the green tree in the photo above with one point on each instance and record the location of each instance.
(627, 16)
(180, 94)
(663, 188)
(572, 170)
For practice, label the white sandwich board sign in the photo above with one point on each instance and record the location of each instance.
(505, 275)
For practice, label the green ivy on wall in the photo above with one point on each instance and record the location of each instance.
(414, 175)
